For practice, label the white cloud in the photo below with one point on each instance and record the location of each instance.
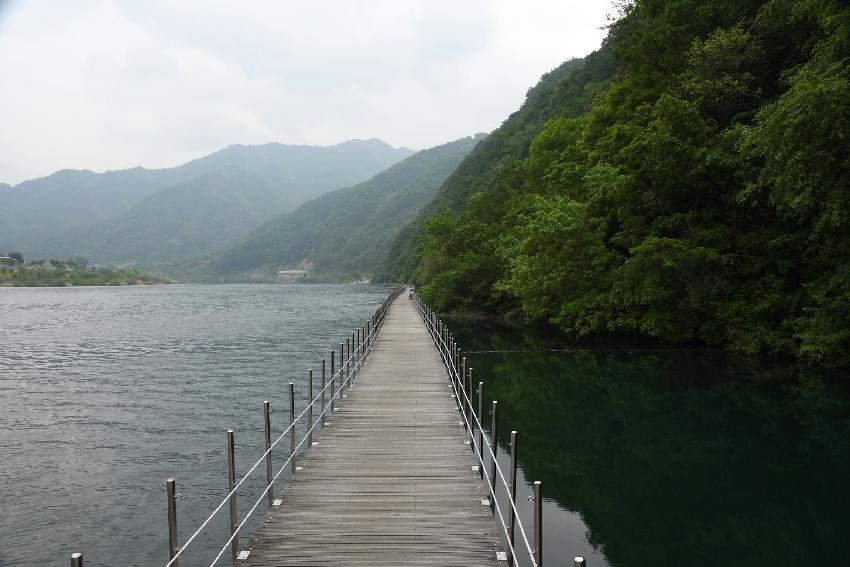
(107, 84)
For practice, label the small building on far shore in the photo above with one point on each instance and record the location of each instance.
(291, 276)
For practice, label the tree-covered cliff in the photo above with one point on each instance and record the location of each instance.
(702, 197)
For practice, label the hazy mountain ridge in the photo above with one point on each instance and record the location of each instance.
(173, 226)
(74, 212)
(350, 229)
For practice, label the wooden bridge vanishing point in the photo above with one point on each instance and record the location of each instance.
(391, 481)
(393, 466)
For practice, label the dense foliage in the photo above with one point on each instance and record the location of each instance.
(508, 143)
(349, 230)
(703, 197)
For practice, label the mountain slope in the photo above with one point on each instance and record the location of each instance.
(565, 91)
(36, 215)
(35, 211)
(351, 229)
(169, 230)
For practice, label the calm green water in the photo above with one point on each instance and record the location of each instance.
(672, 457)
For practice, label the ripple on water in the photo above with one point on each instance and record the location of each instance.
(105, 392)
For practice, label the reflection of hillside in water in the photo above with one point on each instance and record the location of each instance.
(677, 457)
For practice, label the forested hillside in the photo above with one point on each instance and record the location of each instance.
(702, 197)
(349, 230)
(501, 148)
(171, 231)
(166, 219)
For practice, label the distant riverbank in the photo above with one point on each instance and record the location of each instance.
(61, 278)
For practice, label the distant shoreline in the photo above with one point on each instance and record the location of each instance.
(78, 278)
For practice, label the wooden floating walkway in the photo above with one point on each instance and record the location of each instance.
(390, 481)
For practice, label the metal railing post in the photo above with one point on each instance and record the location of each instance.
(333, 381)
(343, 370)
(462, 402)
(291, 429)
(231, 482)
(444, 336)
(76, 560)
(171, 494)
(453, 356)
(350, 358)
(269, 474)
(467, 380)
(455, 359)
(310, 407)
(471, 414)
(494, 445)
(538, 523)
(512, 496)
(481, 432)
(323, 390)
(452, 365)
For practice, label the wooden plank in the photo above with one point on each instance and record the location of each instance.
(390, 481)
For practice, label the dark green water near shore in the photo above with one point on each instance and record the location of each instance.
(671, 457)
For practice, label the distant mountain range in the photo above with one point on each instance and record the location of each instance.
(167, 219)
(348, 230)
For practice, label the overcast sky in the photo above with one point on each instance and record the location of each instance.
(109, 84)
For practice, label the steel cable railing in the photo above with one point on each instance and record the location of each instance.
(444, 350)
(263, 494)
(346, 373)
(449, 353)
(358, 349)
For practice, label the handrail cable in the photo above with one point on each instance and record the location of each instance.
(263, 494)
(381, 312)
(443, 348)
(451, 367)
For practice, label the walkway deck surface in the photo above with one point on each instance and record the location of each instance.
(390, 481)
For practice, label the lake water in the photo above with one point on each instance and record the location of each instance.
(674, 457)
(106, 392)
(670, 457)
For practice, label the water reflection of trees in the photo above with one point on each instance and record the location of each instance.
(679, 457)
